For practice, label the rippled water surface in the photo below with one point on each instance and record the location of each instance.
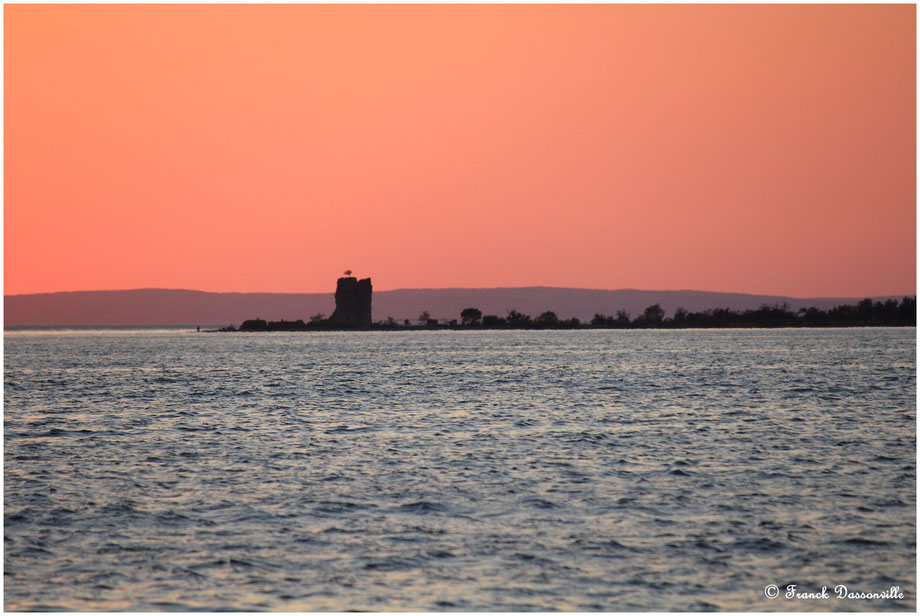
(517, 470)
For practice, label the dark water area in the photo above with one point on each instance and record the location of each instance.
(509, 471)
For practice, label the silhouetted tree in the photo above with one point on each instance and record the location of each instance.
(680, 317)
(621, 320)
(547, 319)
(424, 317)
(907, 311)
(812, 317)
(491, 320)
(470, 316)
(518, 319)
(653, 315)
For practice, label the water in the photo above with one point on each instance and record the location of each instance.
(516, 470)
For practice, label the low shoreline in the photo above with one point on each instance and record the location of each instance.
(866, 313)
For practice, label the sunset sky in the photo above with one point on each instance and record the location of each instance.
(758, 149)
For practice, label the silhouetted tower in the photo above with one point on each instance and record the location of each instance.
(352, 302)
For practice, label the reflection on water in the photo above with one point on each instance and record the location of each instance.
(517, 470)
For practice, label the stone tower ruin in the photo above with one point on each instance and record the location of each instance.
(352, 302)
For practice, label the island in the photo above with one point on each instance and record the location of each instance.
(353, 300)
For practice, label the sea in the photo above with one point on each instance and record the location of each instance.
(587, 470)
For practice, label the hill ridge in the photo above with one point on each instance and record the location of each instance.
(161, 306)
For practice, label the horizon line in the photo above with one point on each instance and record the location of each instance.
(888, 295)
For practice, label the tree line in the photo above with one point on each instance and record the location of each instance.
(864, 314)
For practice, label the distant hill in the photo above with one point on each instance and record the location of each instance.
(182, 307)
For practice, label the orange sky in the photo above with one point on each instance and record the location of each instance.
(761, 149)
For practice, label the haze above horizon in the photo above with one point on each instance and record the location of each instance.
(255, 148)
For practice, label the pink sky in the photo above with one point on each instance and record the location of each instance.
(759, 149)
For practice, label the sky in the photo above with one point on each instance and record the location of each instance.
(756, 149)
